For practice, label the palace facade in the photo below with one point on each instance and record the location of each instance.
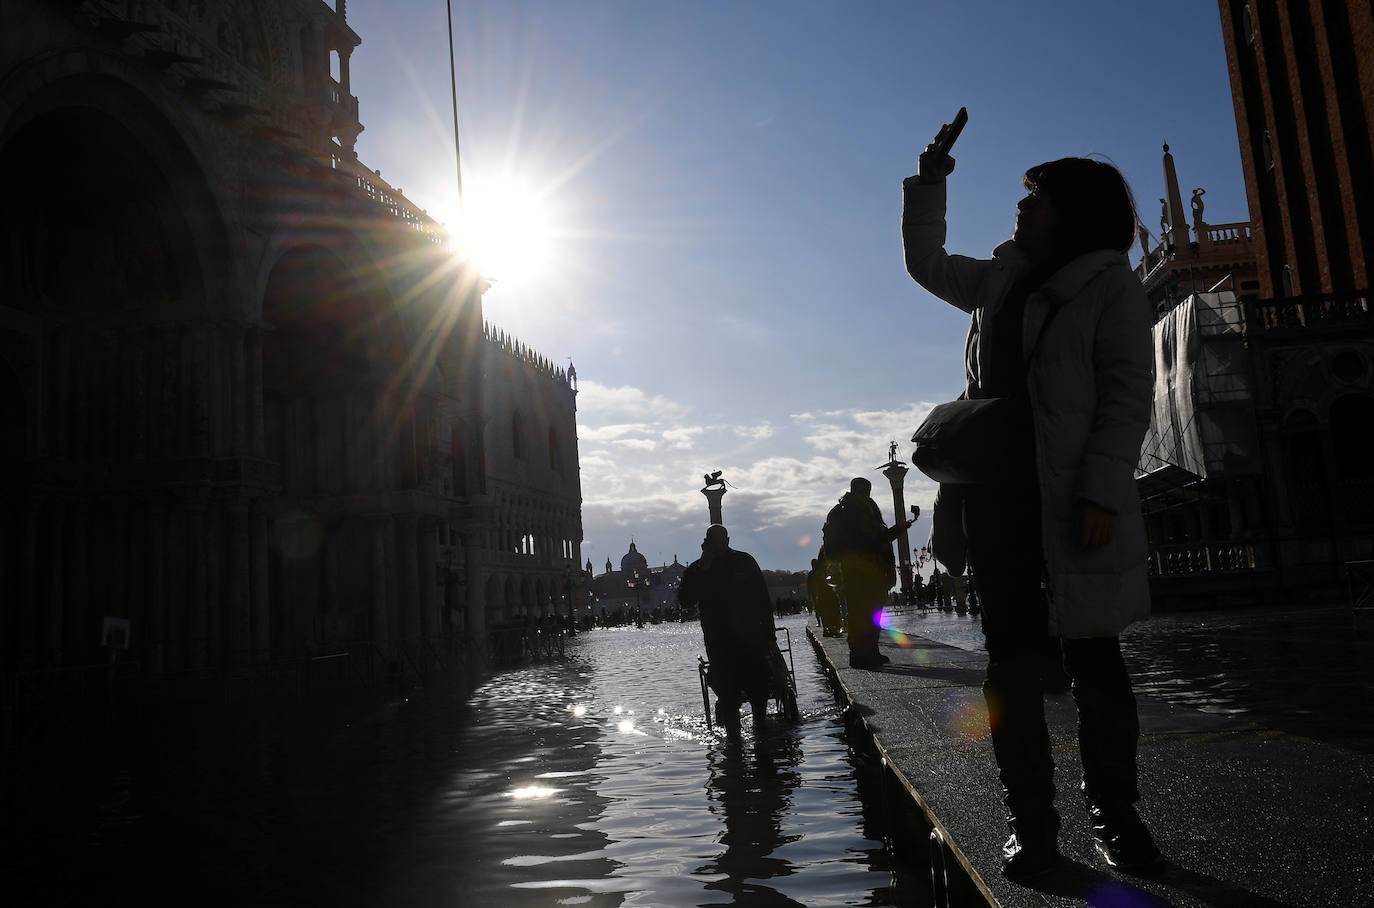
(253, 412)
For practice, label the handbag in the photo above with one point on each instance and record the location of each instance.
(969, 441)
(965, 442)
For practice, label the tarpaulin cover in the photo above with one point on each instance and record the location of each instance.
(1202, 422)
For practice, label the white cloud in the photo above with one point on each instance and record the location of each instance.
(682, 436)
(757, 433)
(612, 432)
(601, 403)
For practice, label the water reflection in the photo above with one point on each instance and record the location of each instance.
(751, 790)
(591, 781)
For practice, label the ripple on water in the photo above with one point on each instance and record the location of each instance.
(677, 814)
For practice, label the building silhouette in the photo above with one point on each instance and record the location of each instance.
(1256, 475)
(252, 406)
(634, 585)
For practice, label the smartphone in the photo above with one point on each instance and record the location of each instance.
(951, 133)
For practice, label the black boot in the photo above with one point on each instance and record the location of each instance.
(1108, 729)
(1122, 837)
(1021, 743)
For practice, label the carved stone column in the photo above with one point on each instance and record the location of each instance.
(381, 593)
(155, 590)
(429, 584)
(198, 409)
(196, 601)
(260, 588)
(407, 568)
(257, 444)
(237, 603)
(177, 529)
(895, 471)
(53, 599)
(239, 391)
(476, 605)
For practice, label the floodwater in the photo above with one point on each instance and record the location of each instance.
(587, 781)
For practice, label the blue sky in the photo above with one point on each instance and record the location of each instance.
(721, 182)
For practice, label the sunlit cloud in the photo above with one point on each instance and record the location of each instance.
(598, 403)
(642, 464)
(611, 432)
(758, 433)
(682, 436)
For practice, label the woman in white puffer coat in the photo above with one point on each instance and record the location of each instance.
(1060, 324)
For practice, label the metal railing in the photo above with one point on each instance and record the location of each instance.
(1213, 558)
(1309, 312)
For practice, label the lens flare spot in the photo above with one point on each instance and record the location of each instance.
(803, 542)
(970, 722)
(882, 618)
(625, 726)
(578, 709)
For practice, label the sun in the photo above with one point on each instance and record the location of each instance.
(507, 226)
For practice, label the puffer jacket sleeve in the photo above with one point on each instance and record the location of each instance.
(953, 278)
(1123, 367)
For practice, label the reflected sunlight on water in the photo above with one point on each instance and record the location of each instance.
(587, 781)
(653, 807)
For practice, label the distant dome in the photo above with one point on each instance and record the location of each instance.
(634, 561)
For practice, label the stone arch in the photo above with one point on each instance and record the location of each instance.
(131, 195)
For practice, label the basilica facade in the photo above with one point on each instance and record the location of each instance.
(253, 411)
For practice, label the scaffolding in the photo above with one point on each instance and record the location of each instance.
(1202, 423)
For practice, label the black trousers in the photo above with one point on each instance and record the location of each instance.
(1002, 525)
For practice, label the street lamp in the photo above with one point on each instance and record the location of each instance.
(636, 584)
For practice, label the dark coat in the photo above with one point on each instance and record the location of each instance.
(736, 617)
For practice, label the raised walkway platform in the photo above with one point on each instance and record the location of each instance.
(1245, 816)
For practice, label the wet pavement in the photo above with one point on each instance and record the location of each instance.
(1246, 812)
(1307, 671)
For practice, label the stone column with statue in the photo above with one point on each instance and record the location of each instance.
(714, 490)
(895, 471)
